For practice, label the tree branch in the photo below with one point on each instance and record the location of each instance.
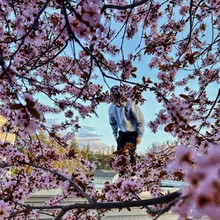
(111, 205)
(124, 7)
(216, 100)
(63, 177)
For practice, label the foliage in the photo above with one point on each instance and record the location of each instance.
(101, 158)
(179, 40)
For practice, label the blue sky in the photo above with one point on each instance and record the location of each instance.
(98, 133)
(96, 130)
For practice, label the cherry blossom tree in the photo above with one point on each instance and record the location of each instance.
(179, 40)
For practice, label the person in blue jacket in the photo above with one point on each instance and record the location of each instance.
(127, 123)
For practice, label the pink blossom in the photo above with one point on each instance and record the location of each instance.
(4, 210)
(90, 15)
(184, 9)
(184, 158)
(67, 62)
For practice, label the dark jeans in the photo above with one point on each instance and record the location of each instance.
(128, 137)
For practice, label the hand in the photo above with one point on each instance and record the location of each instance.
(138, 140)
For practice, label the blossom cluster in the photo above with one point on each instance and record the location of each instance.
(202, 172)
(62, 51)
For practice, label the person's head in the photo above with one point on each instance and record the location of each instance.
(115, 93)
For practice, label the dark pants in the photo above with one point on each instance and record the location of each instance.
(128, 137)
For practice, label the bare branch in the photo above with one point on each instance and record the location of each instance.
(124, 7)
(111, 205)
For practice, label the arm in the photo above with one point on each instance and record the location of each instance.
(136, 112)
(113, 124)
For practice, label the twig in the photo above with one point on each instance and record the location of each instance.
(124, 7)
(166, 209)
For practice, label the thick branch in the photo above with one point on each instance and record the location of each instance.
(61, 214)
(124, 7)
(111, 205)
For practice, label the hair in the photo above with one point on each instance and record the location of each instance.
(114, 87)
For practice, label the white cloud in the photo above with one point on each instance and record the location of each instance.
(95, 143)
(88, 132)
